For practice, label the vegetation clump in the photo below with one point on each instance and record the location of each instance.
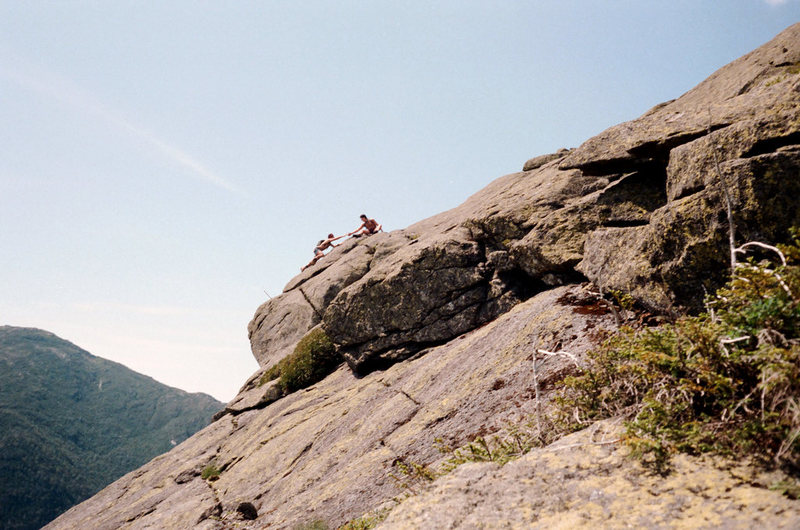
(210, 472)
(726, 381)
(368, 521)
(316, 524)
(313, 358)
(514, 442)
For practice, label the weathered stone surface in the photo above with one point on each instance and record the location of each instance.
(255, 394)
(282, 321)
(682, 252)
(555, 244)
(692, 166)
(539, 161)
(439, 290)
(327, 452)
(637, 208)
(584, 481)
(278, 325)
(453, 308)
(738, 132)
(755, 85)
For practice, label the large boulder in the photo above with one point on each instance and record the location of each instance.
(422, 295)
(737, 135)
(639, 208)
(282, 321)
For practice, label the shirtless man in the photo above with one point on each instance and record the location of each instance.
(323, 245)
(368, 227)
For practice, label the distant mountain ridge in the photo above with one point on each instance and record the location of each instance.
(71, 423)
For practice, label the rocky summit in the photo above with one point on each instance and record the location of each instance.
(438, 326)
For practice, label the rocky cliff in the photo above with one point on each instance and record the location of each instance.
(438, 325)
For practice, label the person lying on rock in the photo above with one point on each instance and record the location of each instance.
(320, 248)
(367, 228)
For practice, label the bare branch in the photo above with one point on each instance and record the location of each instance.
(561, 354)
(725, 342)
(741, 249)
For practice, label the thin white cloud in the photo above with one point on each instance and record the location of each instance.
(116, 308)
(68, 93)
(776, 2)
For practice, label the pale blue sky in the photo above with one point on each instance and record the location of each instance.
(162, 164)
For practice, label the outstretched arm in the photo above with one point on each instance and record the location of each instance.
(356, 230)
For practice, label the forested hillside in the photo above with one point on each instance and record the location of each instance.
(71, 423)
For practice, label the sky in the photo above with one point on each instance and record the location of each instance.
(165, 167)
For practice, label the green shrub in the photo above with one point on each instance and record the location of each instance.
(271, 374)
(513, 442)
(413, 476)
(313, 358)
(211, 472)
(726, 381)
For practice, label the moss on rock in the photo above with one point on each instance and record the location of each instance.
(313, 358)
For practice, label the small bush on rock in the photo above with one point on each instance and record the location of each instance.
(271, 374)
(313, 358)
(514, 442)
(726, 381)
(210, 472)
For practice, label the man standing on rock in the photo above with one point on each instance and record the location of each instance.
(320, 248)
(367, 228)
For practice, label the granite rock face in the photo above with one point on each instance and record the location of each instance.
(585, 480)
(328, 452)
(640, 208)
(438, 325)
(738, 131)
(280, 322)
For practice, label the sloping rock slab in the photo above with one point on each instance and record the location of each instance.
(587, 481)
(327, 453)
(168, 492)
